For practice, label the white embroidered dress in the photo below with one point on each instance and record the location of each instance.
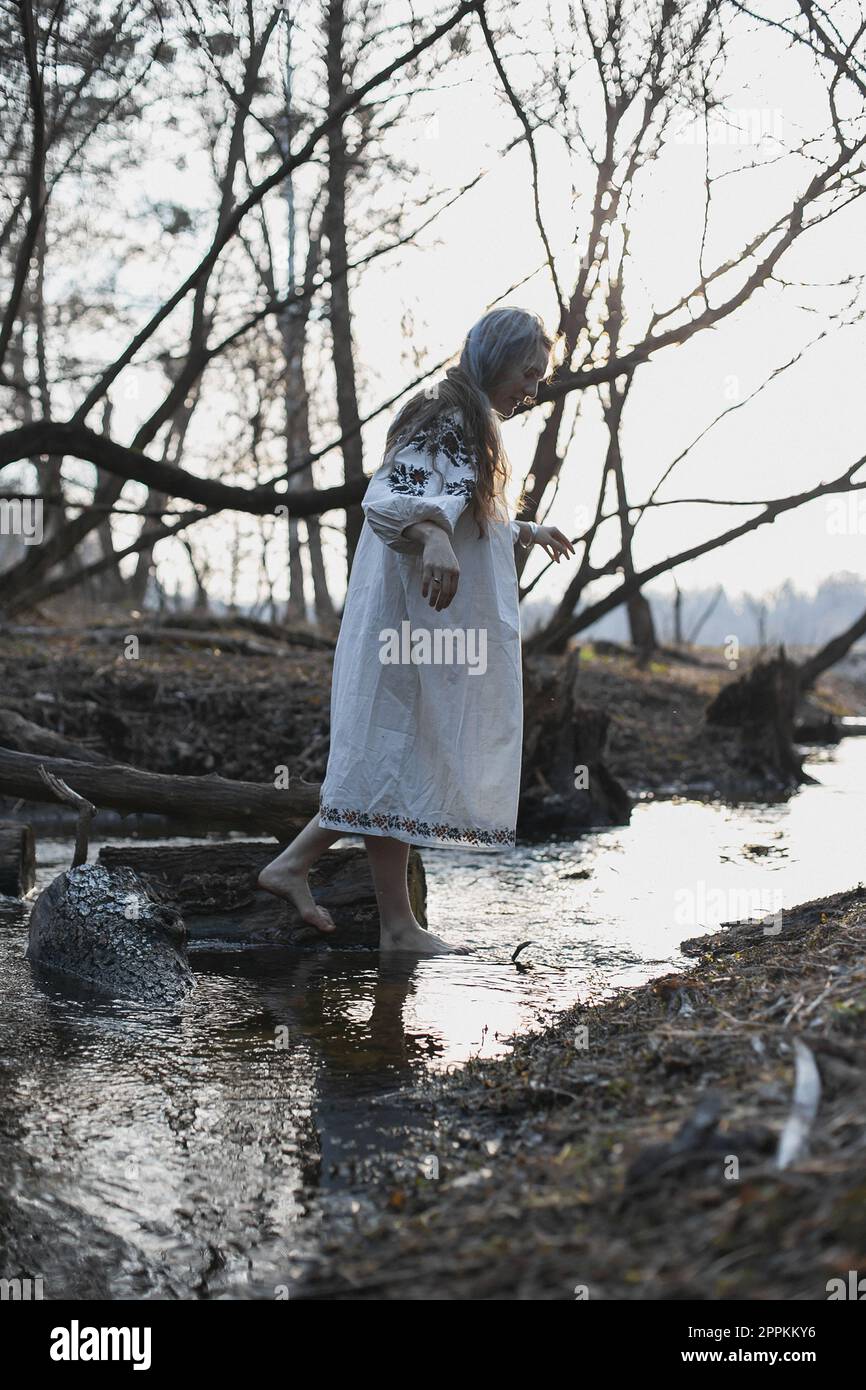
(427, 707)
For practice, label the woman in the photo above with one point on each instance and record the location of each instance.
(427, 699)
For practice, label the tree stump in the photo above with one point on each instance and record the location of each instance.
(214, 888)
(762, 705)
(17, 858)
(109, 932)
(565, 785)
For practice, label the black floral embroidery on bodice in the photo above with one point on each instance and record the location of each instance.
(444, 434)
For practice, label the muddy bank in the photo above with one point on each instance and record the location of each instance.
(631, 1151)
(175, 708)
(247, 703)
(660, 744)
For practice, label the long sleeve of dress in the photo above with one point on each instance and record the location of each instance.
(431, 478)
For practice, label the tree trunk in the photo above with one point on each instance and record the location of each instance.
(111, 587)
(641, 625)
(544, 468)
(677, 636)
(831, 652)
(144, 564)
(297, 446)
(762, 705)
(338, 259)
(565, 785)
(640, 620)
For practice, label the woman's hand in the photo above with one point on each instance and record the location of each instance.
(440, 570)
(553, 542)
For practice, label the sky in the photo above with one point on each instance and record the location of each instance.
(805, 426)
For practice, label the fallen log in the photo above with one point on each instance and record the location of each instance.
(23, 736)
(17, 858)
(211, 802)
(818, 728)
(166, 636)
(197, 631)
(214, 889)
(276, 632)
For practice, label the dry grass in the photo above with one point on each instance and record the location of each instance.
(556, 1164)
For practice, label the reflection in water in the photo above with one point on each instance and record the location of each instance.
(196, 1153)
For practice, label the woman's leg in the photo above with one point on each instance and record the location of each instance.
(286, 876)
(398, 928)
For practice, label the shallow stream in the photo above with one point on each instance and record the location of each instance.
(199, 1153)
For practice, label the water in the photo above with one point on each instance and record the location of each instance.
(199, 1154)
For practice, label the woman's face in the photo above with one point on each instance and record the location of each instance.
(522, 382)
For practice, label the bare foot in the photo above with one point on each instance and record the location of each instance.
(409, 937)
(286, 882)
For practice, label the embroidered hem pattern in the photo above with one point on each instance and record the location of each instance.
(339, 818)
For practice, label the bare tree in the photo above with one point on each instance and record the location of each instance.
(655, 66)
(202, 346)
(651, 64)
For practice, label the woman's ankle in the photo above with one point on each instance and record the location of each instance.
(395, 924)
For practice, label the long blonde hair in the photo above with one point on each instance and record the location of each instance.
(502, 339)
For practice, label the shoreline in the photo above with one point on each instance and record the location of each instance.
(658, 1112)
